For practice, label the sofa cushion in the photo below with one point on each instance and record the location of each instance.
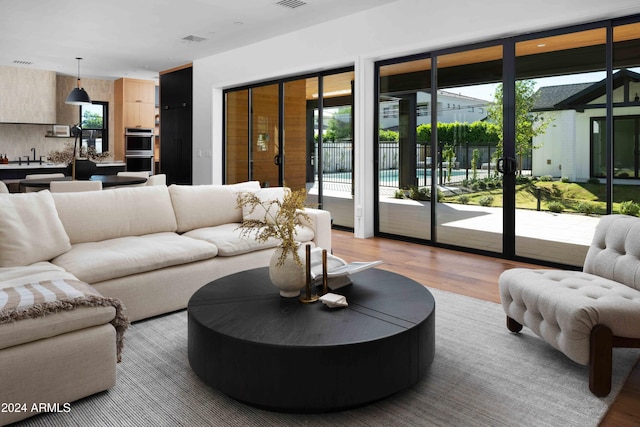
(28, 330)
(94, 262)
(100, 215)
(228, 239)
(244, 186)
(37, 309)
(16, 276)
(615, 250)
(563, 306)
(198, 206)
(30, 230)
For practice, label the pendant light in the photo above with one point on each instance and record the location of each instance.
(78, 95)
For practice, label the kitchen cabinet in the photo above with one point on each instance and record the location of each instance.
(139, 115)
(134, 107)
(140, 91)
(28, 96)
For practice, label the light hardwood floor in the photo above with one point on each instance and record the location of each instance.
(467, 274)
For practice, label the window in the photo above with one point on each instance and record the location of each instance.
(94, 124)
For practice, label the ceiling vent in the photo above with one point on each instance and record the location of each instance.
(19, 62)
(291, 4)
(193, 39)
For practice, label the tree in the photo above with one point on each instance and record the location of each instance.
(91, 120)
(528, 123)
(339, 125)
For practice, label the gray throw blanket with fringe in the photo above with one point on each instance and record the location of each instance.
(39, 299)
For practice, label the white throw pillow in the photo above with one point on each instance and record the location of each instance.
(198, 206)
(92, 216)
(30, 229)
(266, 196)
(244, 186)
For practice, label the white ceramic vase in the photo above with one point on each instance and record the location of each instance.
(288, 277)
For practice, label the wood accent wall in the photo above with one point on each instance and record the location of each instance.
(237, 136)
(295, 134)
(265, 122)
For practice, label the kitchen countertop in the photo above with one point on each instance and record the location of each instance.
(49, 165)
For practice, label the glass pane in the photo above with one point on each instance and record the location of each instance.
(92, 141)
(265, 151)
(560, 123)
(296, 134)
(237, 136)
(92, 116)
(93, 128)
(626, 112)
(337, 148)
(469, 135)
(404, 149)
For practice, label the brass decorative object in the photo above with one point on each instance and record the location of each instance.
(325, 277)
(308, 297)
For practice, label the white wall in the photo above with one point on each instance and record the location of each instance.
(401, 28)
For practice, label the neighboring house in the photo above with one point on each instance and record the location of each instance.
(452, 107)
(574, 144)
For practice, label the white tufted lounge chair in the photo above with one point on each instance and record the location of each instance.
(585, 313)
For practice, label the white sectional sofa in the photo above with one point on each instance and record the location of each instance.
(142, 251)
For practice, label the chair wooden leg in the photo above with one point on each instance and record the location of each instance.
(513, 326)
(600, 360)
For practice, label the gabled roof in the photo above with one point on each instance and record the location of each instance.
(577, 96)
(549, 96)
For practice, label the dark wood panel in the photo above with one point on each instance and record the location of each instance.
(176, 126)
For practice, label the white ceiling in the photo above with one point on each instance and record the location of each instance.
(138, 38)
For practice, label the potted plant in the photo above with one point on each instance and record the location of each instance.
(274, 213)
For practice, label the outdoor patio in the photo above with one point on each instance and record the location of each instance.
(543, 235)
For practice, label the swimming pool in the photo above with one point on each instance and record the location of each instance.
(389, 177)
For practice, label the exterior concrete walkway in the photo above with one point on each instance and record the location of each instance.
(543, 235)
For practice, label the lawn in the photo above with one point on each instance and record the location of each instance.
(566, 196)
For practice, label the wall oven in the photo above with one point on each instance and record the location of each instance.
(139, 163)
(138, 140)
(138, 150)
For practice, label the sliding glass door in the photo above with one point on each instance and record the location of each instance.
(404, 154)
(334, 148)
(514, 147)
(260, 122)
(469, 139)
(625, 82)
(559, 89)
(265, 147)
(296, 133)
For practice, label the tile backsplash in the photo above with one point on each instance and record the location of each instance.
(16, 140)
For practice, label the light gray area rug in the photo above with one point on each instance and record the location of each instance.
(482, 375)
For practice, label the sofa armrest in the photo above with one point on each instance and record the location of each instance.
(320, 222)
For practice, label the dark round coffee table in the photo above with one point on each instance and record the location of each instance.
(276, 353)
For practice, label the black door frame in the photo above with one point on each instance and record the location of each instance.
(509, 127)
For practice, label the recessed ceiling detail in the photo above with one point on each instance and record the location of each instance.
(291, 4)
(193, 39)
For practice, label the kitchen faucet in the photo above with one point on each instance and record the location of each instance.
(34, 153)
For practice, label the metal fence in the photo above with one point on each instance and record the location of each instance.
(337, 163)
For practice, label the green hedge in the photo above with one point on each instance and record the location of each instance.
(478, 133)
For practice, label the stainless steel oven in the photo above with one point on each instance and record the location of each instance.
(139, 163)
(138, 150)
(138, 140)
